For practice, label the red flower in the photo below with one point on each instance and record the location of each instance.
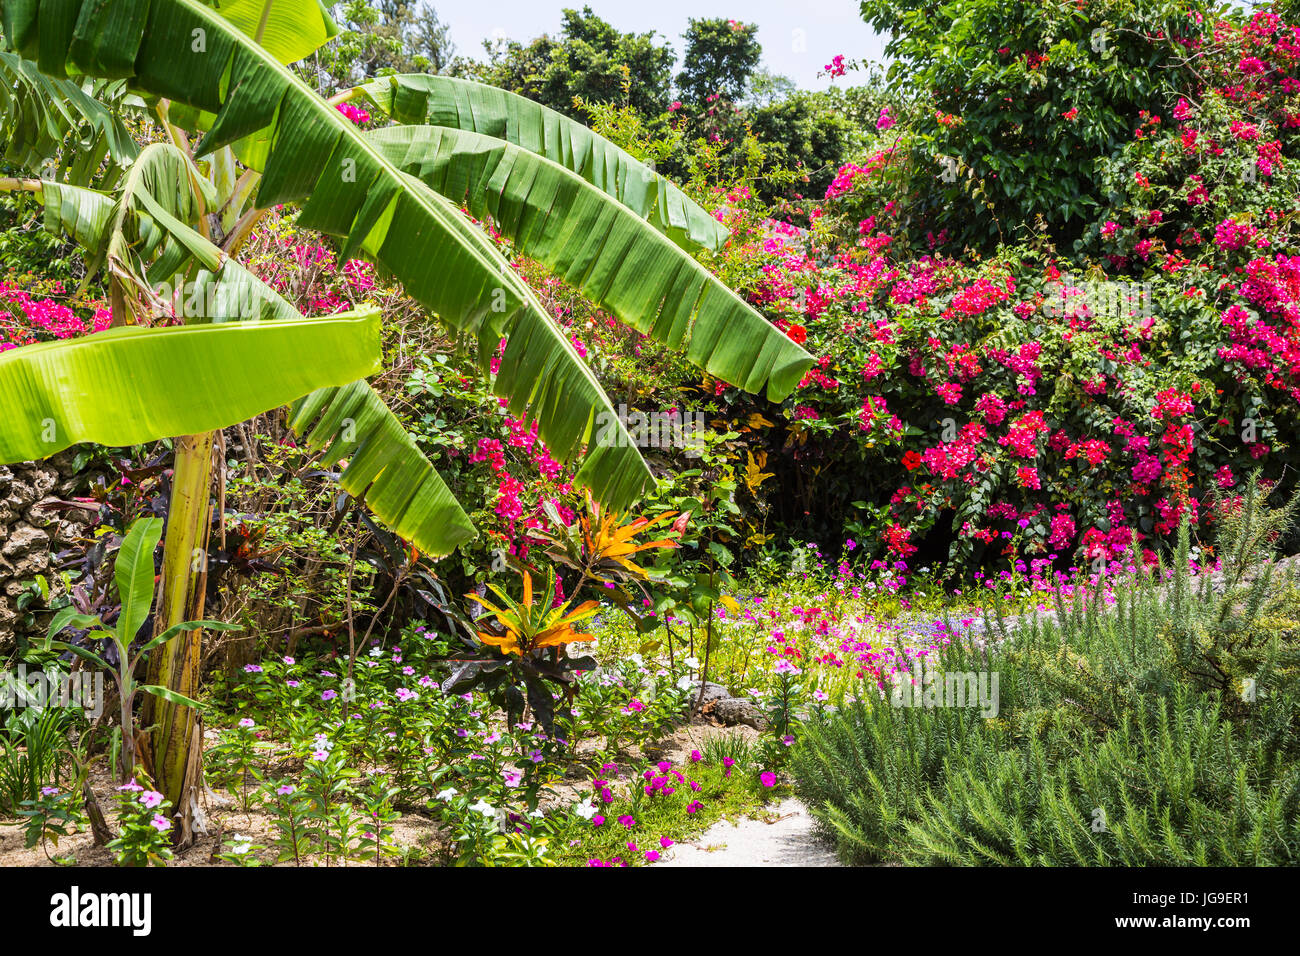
(911, 460)
(798, 334)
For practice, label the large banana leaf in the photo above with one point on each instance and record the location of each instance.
(385, 468)
(350, 190)
(132, 385)
(415, 98)
(144, 228)
(287, 29)
(603, 248)
(399, 484)
(44, 120)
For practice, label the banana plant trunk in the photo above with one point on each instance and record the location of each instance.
(176, 732)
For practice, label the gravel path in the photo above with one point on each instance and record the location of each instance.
(787, 841)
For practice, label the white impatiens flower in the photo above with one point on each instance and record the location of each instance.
(584, 810)
(446, 795)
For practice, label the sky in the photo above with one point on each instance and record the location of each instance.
(799, 37)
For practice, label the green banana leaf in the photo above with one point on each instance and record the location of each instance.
(348, 189)
(46, 120)
(131, 385)
(385, 469)
(289, 31)
(400, 485)
(603, 248)
(414, 98)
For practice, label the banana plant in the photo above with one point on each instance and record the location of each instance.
(134, 574)
(215, 76)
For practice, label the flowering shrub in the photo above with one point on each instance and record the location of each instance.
(1075, 400)
(28, 315)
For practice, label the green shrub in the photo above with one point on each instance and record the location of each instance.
(1151, 720)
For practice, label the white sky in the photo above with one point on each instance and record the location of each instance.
(829, 27)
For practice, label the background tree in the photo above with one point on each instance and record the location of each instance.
(996, 106)
(590, 59)
(719, 58)
(386, 37)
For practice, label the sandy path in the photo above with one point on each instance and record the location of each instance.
(788, 841)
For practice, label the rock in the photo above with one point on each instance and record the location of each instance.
(23, 540)
(712, 692)
(739, 710)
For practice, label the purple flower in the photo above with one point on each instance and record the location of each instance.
(151, 798)
(160, 823)
(768, 778)
(328, 694)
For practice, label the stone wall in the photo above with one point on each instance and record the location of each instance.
(30, 532)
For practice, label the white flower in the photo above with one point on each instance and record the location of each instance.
(692, 663)
(584, 810)
(375, 652)
(685, 683)
(446, 795)
(484, 808)
(636, 659)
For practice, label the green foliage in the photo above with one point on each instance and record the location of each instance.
(1157, 729)
(590, 60)
(33, 751)
(997, 78)
(721, 56)
(53, 814)
(388, 36)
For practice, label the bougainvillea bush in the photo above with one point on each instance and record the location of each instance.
(1069, 397)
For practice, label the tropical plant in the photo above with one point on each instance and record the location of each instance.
(134, 574)
(221, 77)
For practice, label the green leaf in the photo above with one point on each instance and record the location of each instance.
(169, 695)
(462, 104)
(289, 29)
(71, 617)
(610, 253)
(177, 629)
(385, 468)
(134, 574)
(73, 124)
(84, 653)
(132, 385)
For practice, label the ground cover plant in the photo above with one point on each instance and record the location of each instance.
(574, 452)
